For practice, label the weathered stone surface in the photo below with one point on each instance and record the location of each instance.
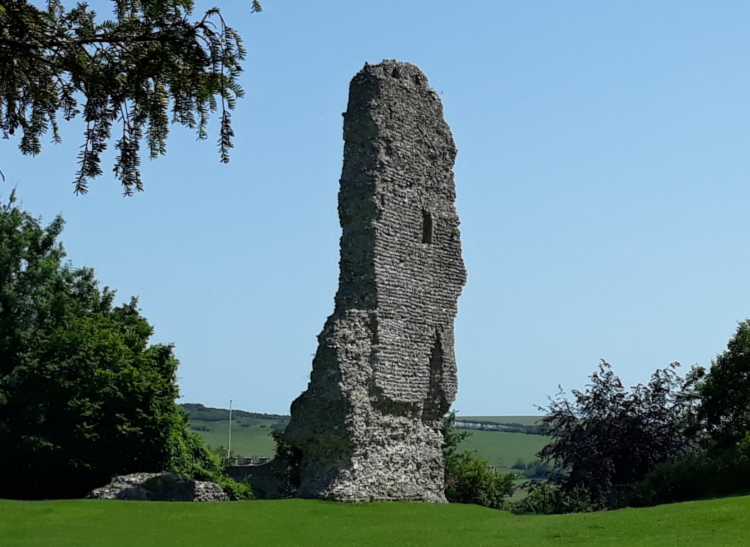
(368, 425)
(158, 487)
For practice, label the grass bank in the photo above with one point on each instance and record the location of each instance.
(718, 523)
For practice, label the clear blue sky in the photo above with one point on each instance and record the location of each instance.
(603, 183)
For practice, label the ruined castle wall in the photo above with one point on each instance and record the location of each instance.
(368, 426)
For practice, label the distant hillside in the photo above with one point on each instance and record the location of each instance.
(510, 424)
(523, 420)
(198, 411)
(251, 431)
(502, 440)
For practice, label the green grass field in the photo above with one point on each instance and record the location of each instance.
(503, 449)
(88, 523)
(249, 437)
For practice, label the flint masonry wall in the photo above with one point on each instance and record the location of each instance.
(368, 425)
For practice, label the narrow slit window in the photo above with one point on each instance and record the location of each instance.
(427, 227)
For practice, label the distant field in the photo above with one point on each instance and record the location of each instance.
(250, 438)
(523, 420)
(499, 448)
(297, 523)
(251, 431)
(251, 435)
(504, 449)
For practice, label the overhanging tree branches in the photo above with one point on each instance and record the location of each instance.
(127, 78)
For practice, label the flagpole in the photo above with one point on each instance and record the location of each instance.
(229, 447)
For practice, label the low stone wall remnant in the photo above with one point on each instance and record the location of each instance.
(158, 487)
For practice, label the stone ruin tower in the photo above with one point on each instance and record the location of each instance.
(368, 427)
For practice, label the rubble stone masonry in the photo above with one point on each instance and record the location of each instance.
(368, 427)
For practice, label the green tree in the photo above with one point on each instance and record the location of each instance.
(148, 65)
(725, 392)
(83, 396)
(722, 427)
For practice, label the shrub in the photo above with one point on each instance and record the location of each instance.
(469, 479)
(191, 458)
(548, 499)
(538, 470)
(452, 436)
(697, 476)
(237, 491)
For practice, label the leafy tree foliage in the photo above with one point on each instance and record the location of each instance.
(452, 436)
(148, 64)
(722, 426)
(83, 396)
(609, 436)
(725, 392)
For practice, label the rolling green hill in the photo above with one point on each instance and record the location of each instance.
(523, 420)
(94, 523)
(251, 431)
(504, 449)
(251, 434)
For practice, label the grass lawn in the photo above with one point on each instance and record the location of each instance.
(89, 523)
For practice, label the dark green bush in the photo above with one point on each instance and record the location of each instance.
(697, 476)
(550, 499)
(538, 470)
(237, 491)
(469, 479)
(191, 458)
